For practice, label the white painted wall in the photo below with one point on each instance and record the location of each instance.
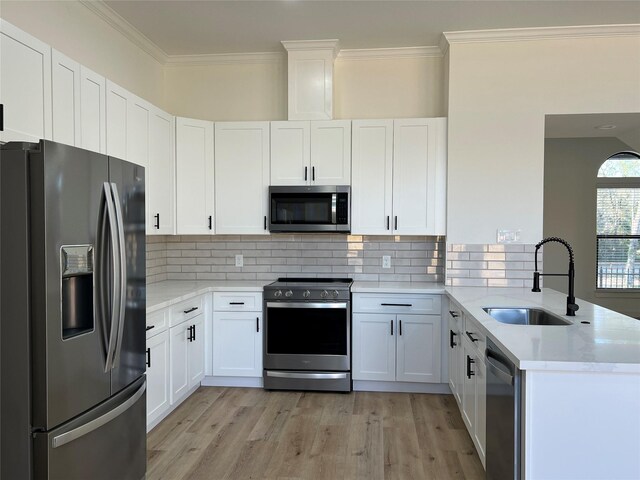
(73, 29)
(570, 172)
(499, 94)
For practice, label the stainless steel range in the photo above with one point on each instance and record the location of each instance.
(307, 337)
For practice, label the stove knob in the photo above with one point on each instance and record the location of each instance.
(277, 293)
(324, 294)
(306, 294)
(335, 294)
(288, 293)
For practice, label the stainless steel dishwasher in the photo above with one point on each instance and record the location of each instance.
(503, 416)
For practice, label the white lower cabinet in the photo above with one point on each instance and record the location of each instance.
(157, 376)
(237, 335)
(454, 354)
(402, 343)
(187, 356)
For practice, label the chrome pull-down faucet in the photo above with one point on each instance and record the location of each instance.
(571, 299)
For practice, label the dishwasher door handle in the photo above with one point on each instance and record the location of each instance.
(498, 369)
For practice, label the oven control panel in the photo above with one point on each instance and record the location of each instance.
(288, 295)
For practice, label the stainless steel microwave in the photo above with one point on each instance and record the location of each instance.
(310, 209)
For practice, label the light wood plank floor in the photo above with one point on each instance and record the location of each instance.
(250, 433)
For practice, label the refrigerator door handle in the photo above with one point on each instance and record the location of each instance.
(96, 423)
(123, 273)
(115, 293)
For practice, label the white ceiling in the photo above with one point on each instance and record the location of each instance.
(584, 125)
(188, 27)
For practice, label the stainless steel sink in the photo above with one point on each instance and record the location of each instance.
(525, 316)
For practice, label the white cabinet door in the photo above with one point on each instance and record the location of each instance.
(93, 117)
(331, 152)
(418, 349)
(419, 176)
(25, 85)
(117, 100)
(179, 360)
(237, 344)
(242, 177)
(160, 175)
(194, 176)
(196, 351)
(374, 346)
(371, 183)
(65, 82)
(469, 385)
(290, 153)
(138, 120)
(480, 431)
(157, 375)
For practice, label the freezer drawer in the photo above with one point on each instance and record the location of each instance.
(106, 443)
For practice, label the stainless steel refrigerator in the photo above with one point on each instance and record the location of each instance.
(72, 305)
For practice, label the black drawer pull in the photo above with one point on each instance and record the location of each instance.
(150, 327)
(454, 314)
(470, 335)
(452, 342)
(258, 324)
(149, 357)
(236, 303)
(190, 310)
(470, 361)
(397, 304)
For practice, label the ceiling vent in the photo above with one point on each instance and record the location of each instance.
(310, 78)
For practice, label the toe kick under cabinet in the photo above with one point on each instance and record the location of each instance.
(396, 337)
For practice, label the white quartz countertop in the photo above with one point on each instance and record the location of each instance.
(397, 287)
(163, 294)
(610, 342)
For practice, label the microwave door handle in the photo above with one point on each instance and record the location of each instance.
(123, 273)
(334, 202)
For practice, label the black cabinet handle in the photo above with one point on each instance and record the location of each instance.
(236, 303)
(305, 173)
(149, 357)
(453, 314)
(210, 222)
(189, 336)
(397, 304)
(194, 332)
(157, 216)
(452, 335)
(387, 222)
(265, 222)
(399, 327)
(258, 324)
(313, 174)
(470, 335)
(1, 117)
(150, 327)
(395, 221)
(391, 327)
(192, 309)
(470, 361)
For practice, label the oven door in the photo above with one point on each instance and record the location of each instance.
(307, 336)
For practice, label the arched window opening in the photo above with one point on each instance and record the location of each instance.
(618, 222)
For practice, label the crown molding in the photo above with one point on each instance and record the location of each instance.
(302, 45)
(388, 53)
(540, 33)
(224, 59)
(107, 14)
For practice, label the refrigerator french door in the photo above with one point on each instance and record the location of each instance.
(72, 250)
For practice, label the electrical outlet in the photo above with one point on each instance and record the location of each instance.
(508, 236)
(386, 261)
(239, 261)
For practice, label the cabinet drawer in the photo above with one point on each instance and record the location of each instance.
(475, 334)
(237, 301)
(385, 303)
(186, 310)
(455, 314)
(157, 322)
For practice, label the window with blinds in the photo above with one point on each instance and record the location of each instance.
(618, 223)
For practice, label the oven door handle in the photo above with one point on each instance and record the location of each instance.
(304, 375)
(338, 305)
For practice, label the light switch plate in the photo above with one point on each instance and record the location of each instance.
(386, 261)
(508, 236)
(239, 261)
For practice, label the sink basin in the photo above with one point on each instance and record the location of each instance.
(525, 316)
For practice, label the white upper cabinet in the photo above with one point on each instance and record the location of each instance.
(93, 116)
(65, 84)
(160, 193)
(25, 86)
(371, 184)
(138, 119)
(331, 152)
(117, 115)
(419, 176)
(194, 176)
(311, 153)
(242, 177)
(399, 177)
(290, 153)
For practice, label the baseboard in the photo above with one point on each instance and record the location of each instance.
(165, 414)
(216, 381)
(403, 387)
